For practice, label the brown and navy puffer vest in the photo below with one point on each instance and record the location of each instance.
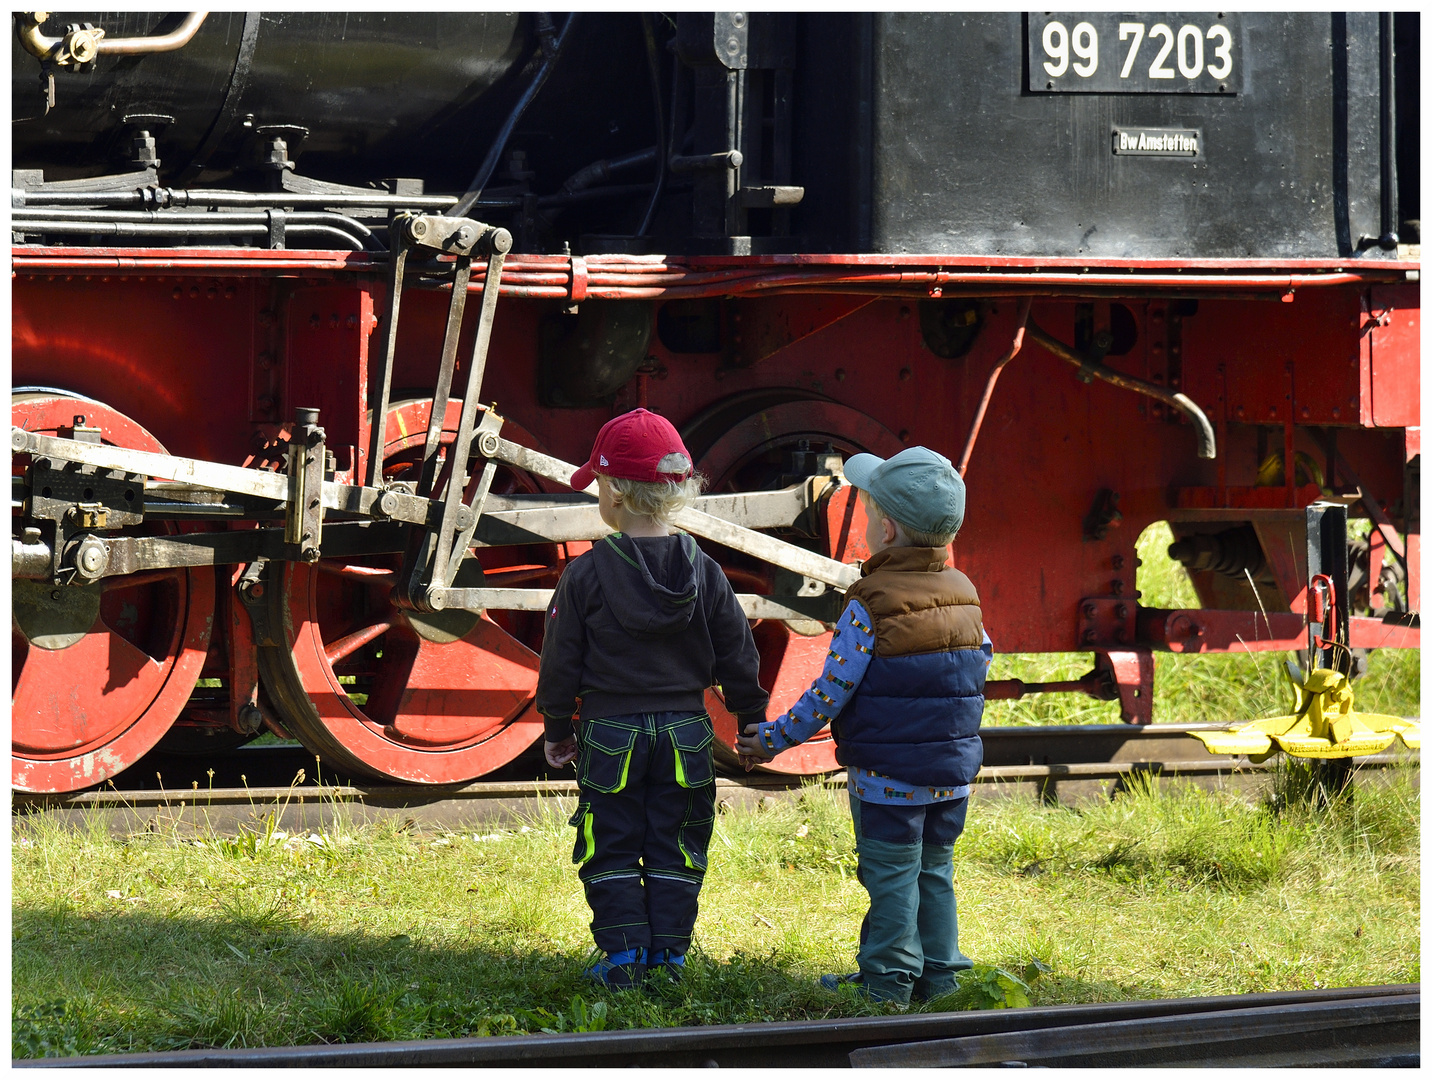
(916, 714)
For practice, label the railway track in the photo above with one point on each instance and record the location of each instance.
(1056, 762)
(1352, 1027)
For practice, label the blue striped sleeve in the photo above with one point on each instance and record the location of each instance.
(845, 664)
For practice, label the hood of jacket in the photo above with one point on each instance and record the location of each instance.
(649, 584)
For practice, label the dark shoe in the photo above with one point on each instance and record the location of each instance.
(619, 970)
(857, 980)
(922, 992)
(673, 963)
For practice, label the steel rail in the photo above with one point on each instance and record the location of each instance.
(507, 792)
(1004, 747)
(805, 1043)
(1043, 755)
(1374, 1031)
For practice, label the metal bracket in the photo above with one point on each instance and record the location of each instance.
(303, 523)
(454, 235)
(88, 497)
(1327, 559)
(1107, 621)
(1133, 673)
(257, 596)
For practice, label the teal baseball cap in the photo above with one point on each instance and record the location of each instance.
(917, 487)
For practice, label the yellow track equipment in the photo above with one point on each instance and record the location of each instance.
(1323, 725)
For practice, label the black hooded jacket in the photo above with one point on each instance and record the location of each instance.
(645, 624)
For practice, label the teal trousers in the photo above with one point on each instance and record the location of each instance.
(909, 940)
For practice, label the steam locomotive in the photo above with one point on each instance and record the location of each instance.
(312, 312)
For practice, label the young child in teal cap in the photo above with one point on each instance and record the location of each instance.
(903, 694)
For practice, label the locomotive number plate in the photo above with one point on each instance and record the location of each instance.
(1106, 52)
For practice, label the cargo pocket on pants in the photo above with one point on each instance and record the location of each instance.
(606, 756)
(693, 835)
(586, 845)
(691, 742)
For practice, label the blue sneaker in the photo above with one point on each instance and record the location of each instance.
(669, 961)
(835, 982)
(619, 970)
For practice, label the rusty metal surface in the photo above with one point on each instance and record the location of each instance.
(809, 1044)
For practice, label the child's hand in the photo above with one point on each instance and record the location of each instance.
(750, 750)
(559, 753)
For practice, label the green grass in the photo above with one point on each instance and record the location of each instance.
(1189, 688)
(375, 933)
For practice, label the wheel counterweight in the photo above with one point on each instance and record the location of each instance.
(101, 671)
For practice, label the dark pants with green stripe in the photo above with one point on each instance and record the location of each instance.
(644, 819)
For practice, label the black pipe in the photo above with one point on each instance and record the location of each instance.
(1388, 240)
(132, 228)
(168, 197)
(489, 164)
(358, 230)
(654, 64)
(599, 172)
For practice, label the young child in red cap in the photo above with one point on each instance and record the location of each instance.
(638, 629)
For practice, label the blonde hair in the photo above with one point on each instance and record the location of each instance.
(912, 537)
(660, 500)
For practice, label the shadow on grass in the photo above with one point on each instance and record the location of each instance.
(133, 981)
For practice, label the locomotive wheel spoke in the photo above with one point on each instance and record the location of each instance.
(351, 643)
(519, 576)
(100, 671)
(375, 575)
(440, 697)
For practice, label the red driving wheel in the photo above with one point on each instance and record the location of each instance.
(99, 672)
(438, 698)
(753, 454)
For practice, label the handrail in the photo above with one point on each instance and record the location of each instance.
(83, 46)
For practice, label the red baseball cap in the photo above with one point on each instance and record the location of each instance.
(631, 447)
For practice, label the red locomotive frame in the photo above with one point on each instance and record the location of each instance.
(207, 353)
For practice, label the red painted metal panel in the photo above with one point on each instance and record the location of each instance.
(173, 355)
(1394, 355)
(326, 365)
